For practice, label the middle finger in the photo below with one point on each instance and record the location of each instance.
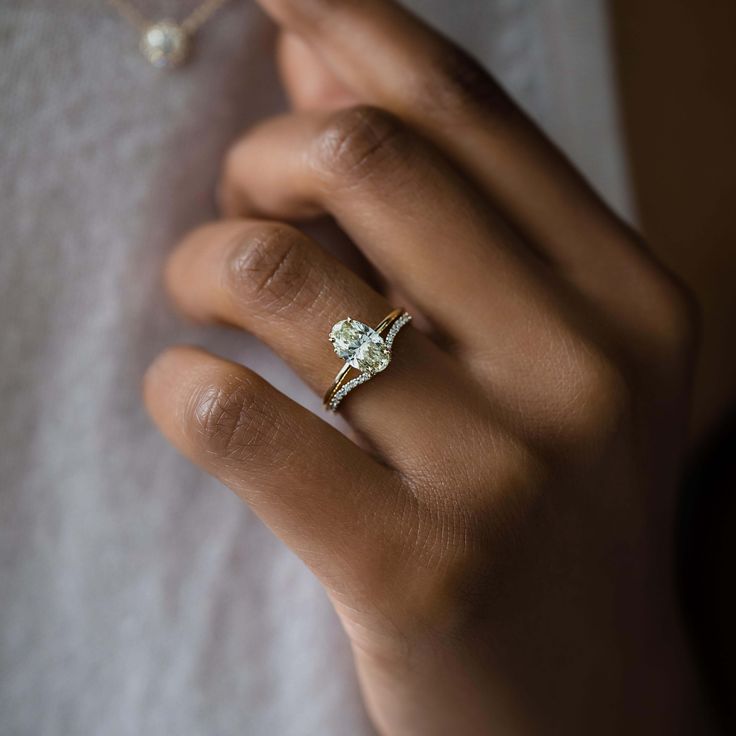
(411, 211)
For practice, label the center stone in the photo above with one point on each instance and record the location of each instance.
(361, 346)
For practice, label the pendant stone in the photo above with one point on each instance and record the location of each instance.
(165, 44)
(360, 346)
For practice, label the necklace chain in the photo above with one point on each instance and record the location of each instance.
(190, 25)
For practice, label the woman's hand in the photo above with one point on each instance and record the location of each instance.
(501, 556)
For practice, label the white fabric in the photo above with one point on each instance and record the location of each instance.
(137, 596)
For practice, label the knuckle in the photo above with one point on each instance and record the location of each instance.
(232, 421)
(678, 318)
(597, 395)
(270, 268)
(667, 324)
(357, 142)
(455, 83)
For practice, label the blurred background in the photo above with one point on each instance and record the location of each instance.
(676, 80)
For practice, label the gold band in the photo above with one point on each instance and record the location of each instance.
(349, 375)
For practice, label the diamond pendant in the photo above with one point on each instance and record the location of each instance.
(165, 44)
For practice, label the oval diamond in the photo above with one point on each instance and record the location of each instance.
(360, 345)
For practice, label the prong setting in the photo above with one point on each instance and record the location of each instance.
(349, 337)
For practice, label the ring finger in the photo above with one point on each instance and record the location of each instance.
(275, 282)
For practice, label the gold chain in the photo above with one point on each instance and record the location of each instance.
(192, 23)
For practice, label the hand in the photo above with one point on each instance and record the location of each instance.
(501, 554)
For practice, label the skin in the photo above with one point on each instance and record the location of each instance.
(498, 540)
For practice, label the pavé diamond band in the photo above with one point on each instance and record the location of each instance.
(366, 351)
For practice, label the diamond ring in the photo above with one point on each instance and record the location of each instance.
(364, 349)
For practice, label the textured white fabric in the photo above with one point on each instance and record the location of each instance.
(136, 595)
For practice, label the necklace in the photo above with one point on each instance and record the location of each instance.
(166, 43)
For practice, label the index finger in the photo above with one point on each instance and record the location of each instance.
(389, 58)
